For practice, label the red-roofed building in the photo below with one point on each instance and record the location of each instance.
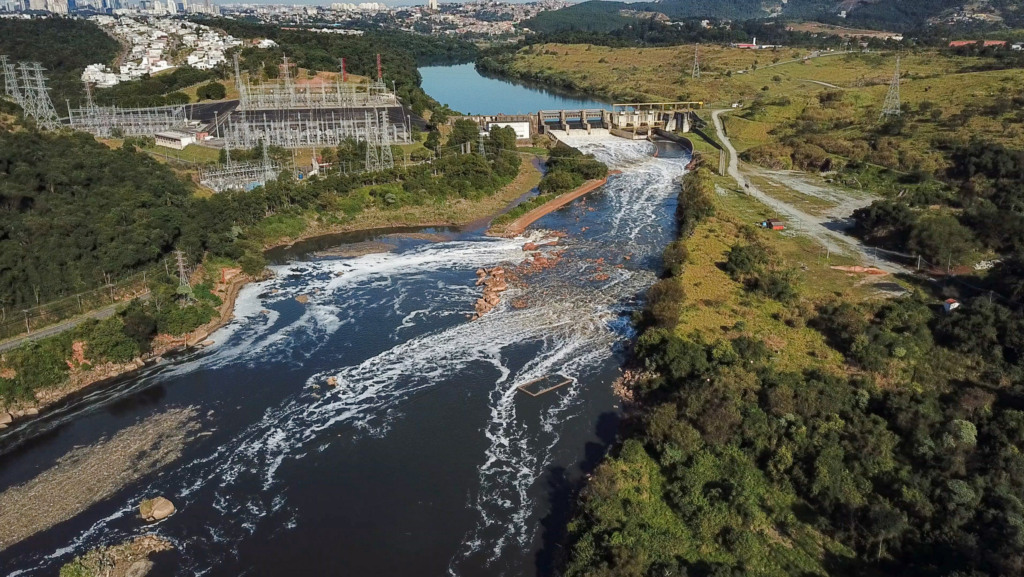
(986, 43)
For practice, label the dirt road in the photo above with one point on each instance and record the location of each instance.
(827, 230)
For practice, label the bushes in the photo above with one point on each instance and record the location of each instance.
(751, 264)
(108, 341)
(568, 168)
(745, 260)
(696, 200)
(665, 301)
(211, 91)
(940, 237)
(559, 182)
(772, 155)
(674, 257)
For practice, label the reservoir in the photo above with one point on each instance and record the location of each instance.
(467, 91)
(424, 460)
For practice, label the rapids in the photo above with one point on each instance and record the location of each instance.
(424, 460)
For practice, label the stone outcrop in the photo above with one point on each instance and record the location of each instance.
(494, 283)
(156, 509)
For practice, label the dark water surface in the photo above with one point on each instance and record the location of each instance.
(424, 460)
(464, 89)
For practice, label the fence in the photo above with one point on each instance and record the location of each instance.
(15, 322)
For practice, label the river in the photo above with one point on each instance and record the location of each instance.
(425, 459)
(464, 89)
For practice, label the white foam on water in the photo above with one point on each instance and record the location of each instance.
(581, 338)
(575, 325)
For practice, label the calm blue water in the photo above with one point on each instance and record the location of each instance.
(465, 90)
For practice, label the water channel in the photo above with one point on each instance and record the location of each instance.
(424, 460)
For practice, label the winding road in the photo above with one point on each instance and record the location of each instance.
(827, 232)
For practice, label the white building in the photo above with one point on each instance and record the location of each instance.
(174, 139)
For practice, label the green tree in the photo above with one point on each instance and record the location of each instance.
(503, 138)
(211, 91)
(463, 131)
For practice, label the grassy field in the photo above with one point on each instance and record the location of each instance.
(715, 303)
(945, 100)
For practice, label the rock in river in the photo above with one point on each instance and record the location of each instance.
(156, 509)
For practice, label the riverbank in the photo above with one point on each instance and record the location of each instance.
(517, 226)
(459, 213)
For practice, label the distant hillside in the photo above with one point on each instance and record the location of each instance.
(602, 16)
(605, 16)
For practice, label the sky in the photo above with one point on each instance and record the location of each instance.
(329, 2)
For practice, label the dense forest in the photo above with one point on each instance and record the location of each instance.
(981, 211)
(63, 46)
(908, 462)
(75, 213)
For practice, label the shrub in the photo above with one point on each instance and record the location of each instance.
(745, 260)
(665, 301)
(675, 256)
(211, 91)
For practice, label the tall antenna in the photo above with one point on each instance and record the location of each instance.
(891, 108)
(696, 62)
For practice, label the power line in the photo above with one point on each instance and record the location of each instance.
(891, 108)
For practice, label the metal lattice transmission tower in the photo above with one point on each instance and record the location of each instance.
(891, 108)
(696, 62)
(240, 175)
(372, 153)
(11, 87)
(387, 159)
(36, 97)
(179, 257)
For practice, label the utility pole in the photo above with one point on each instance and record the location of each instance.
(891, 108)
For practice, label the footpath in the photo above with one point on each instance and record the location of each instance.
(518, 226)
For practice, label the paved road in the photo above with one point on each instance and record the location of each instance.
(100, 313)
(813, 226)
